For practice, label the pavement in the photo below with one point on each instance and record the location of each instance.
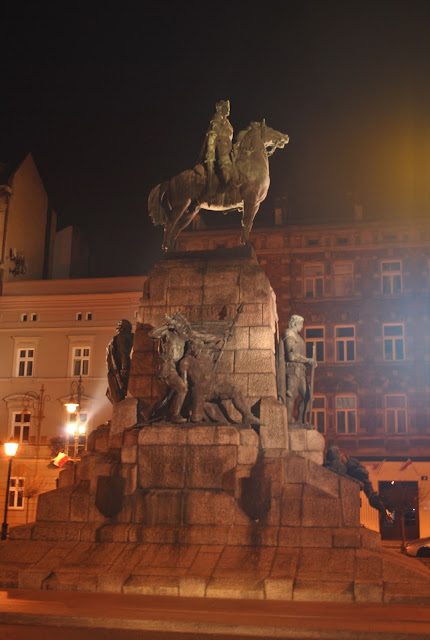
(44, 615)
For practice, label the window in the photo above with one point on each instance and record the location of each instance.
(393, 342)
(23, 317)
(33, 317)
(21, 426)
(345, 344)
(391, 277)
(343, 277)
(25, 366)
(79, 316)
(313, 280)
(346, 414)
(16, 493)
(318, 413)
(395, 414)
(89, 316)
(315, 336)
(81, 361)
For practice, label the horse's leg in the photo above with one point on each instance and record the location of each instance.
(184, 220)
(170, 233)
(250, 208)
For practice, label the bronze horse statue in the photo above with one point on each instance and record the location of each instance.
(175, 203)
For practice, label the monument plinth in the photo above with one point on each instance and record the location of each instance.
(233, 505)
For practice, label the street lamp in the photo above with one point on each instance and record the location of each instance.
(75, 427)
(10, 449)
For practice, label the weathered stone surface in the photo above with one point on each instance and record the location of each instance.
(162, 466)
(152, 586)
(124, 415)
(319, 509)
(254, 361)
(251, 316)
(163, 434)
(368, 591)
(338, 563)
(349, 492)
(239, 339)
(368, 565)
(208, 507)
(66, 476)
(129, 453)
(318, 537)
(254, 284)
(163, 507)
(334, 591)
(32, 578)
(323, 478)
(278, 588)
(291, 505)
(206, 466)
(370, 540)
(347, 538)
(79, 505)
(186, 296)
(274, 430)
(192, 586)
(247, 454)
(234, 588)
(212, 435)
(262, 384)
(55, 505)
(285, 564)
(261, 338)
(308, 443)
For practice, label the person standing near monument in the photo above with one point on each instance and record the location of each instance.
(295, 363)
(118, 361)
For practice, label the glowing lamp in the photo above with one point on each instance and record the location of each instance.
(71, 428)
(82, 428)
(10, 448)
(71, 406)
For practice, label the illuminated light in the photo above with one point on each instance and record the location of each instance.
(10, 448)
(392, 481)
(71, 406)
(71, 428)
(82, 428)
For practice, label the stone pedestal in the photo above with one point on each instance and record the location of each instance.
(209, 287)
(206, 510)
(308, 443)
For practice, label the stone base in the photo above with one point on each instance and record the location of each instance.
(308, 443)
(215, 569)
(204, 511)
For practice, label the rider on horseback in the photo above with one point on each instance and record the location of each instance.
(218, 146)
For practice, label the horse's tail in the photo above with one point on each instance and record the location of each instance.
(155, 204)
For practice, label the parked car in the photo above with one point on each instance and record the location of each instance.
(419, 548)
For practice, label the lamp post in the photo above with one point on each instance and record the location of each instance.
(75, 428)
(10, 449)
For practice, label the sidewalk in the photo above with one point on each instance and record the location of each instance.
(24, 613)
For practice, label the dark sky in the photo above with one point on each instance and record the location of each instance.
(115, 99)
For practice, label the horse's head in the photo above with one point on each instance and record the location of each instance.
(272, 139)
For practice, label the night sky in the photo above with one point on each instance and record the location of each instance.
(115, 99)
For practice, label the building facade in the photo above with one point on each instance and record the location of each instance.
(53, 339)
(363, 290)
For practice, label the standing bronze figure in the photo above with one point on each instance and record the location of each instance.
(118, 361)
(295, 363)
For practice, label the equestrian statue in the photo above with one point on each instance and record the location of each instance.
(227, 177)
